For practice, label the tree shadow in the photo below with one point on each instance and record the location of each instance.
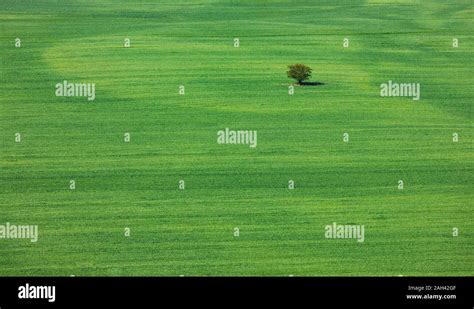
(311, 84)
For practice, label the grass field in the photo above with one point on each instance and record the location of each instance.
(173, 137)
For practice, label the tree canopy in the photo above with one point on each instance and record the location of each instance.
(299, 72)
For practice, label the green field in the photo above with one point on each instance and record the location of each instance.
(190, 232)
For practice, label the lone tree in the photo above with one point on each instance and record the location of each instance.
(300, 72)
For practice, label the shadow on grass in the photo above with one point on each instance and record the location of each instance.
(311, 84)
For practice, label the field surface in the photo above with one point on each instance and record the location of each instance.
(135, 185)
